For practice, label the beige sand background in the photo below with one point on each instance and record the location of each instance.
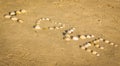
(20, 45)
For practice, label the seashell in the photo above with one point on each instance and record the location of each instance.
(106, 41)
(111, 43)
(101, 47)
(94, 52)
(88, 36)
(14, 18)
(116, 45)
(7, 16)
(82, 47)
(75, 38)
(50, 28)
(56, 27)
(23, 11)
(20, 21)
(97, 54)
(82, 37)
(37, 27)
(67, 38)
(88, 50)
(18, 12)
(101, 39)
(87, 45)
(12, 13)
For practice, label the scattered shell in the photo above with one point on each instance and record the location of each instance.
(18, 12)
(67, 38)
(106, 41)
(12, 13)
(20, 21)
(75, 38)
(82, 37)
(7, 16)
(14, 18)
(50, 28)
(23, 11)
(82, 47)
(88, 50)
(37, 27)
(94, 52)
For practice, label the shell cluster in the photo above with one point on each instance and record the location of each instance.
(13, 15)
(38, 23)
(67, 34)
(69, 37)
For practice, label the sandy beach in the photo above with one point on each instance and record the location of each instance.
(21, 45)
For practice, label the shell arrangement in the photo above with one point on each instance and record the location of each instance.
(13, 15)
(67, 34)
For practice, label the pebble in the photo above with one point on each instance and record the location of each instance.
(20, 21)
(37, 27)
(82, 37)
(12, 13)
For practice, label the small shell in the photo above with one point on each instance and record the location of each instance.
(20, 21)
(14, 18)
(101, 47)
(50, 28)
(111, 43)
(116, 45)
(101, 39)
(56, 27)
(107, 41)
(97, 54)
(88, 36)
(94, 52)
(7, 16)
(87, 45)
(82, 47)
(75, 38)
(88, 50)
(82, 37)
(12, 13)
(18, 12)
(23, 11)
(67, 38)
(37, 27)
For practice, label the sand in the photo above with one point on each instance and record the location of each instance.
(20, 45)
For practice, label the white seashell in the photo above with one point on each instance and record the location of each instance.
(14, 18)
(50, 28)
(111, 43)
(97, 45)
(116, 45)
(82, 37)
(23, 11)
(94, 52)
(18, 12)
(12, 13)
(56, 27)
(47, 19)
(106, 41)
(97, 54)
(67, 38)
(101, 47)
(37, 27)
(75, 38)
(92, 36)
(20, 21)
(101, 39)
(88, 50)
(87, 45)
(7, 16)
(88, 36)
(82, 47)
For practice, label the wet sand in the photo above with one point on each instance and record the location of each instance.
(20, 45)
